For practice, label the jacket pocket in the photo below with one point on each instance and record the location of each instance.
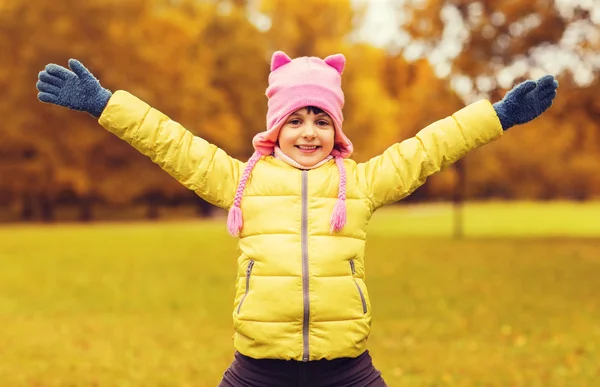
(248, 274)
(360, 292)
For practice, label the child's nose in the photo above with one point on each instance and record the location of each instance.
(309, 131)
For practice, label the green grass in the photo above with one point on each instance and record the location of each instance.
(520, 219)
(517, 304)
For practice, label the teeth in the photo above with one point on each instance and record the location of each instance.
(307, 147)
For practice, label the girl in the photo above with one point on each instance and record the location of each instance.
(299, 205)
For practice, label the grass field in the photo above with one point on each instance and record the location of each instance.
(515, 304)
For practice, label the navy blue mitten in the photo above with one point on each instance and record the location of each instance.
(77, 89)
(526, 101)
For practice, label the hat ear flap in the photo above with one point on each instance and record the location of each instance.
(337, 61)
(278, 59)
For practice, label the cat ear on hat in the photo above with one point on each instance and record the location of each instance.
(278, 59)
(337, 61)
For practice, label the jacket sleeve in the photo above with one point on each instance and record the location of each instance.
(198, 165)
(405, 166)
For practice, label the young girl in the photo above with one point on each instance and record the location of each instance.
(299, 206)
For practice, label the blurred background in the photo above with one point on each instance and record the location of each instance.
(205, 64)
(113, 274)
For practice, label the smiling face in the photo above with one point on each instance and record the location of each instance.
(307, 136)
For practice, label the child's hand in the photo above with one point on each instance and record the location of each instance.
(77, 89)
(526, 101)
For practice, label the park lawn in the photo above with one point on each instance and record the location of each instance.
(492, 219)
(149, 304)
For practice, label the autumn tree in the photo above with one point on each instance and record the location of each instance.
(501, 43)
(162, 52)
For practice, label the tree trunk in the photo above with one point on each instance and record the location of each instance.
(153, 207)
(458, 199)
(26, 208)
(47, 208)
(86, 213)
(203, 208)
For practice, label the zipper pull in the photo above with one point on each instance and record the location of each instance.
(249, 268)
(352, 266)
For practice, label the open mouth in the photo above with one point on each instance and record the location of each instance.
(307, 147)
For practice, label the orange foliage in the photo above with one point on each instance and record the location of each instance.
(205, 64)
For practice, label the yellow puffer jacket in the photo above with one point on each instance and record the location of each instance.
(301, 292)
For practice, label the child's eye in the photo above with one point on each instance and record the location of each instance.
(323, 123)
(294, 122)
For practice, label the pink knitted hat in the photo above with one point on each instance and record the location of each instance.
(305, 81)
(294, 84)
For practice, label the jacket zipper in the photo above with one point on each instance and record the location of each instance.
(362, 296)
(305, 282)
(248, 272)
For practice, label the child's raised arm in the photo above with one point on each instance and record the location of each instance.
(405, 166)
(195, 163)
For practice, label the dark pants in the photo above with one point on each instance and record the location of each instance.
(344, 372)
